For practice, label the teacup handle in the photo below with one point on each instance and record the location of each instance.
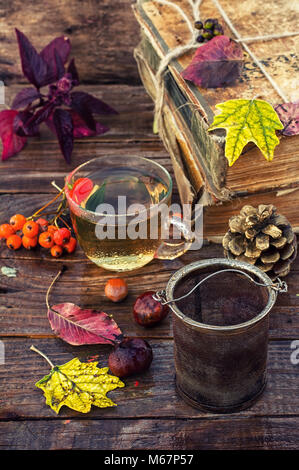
(172, 248)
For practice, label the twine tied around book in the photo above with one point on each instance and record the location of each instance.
(193, 44)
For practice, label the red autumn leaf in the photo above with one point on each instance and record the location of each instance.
(12, 143)
(288, 113)
(79, 326)
(218, 63)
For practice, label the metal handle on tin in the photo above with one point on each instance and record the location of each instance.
(279, 286)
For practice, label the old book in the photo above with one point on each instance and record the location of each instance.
(200, 167)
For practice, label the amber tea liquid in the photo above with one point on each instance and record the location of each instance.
(123, 254)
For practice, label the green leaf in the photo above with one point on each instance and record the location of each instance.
(78, 385)
(96, 197)
(247, 121)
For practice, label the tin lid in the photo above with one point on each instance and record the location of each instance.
(229, 265)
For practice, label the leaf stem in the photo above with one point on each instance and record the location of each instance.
(51, 285)
(33, 348)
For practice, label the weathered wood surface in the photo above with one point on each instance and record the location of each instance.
(149, 415)
(103, 35)
(153, 396)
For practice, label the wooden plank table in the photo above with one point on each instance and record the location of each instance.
(149, 415)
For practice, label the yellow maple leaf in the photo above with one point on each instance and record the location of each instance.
(78, 385)
(247, 121)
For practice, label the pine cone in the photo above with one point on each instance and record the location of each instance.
(261, 237)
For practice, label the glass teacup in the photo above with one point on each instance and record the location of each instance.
(120, 212)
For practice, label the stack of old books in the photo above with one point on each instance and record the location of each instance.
(200, 167)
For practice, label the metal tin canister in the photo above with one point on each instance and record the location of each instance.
(220, 368)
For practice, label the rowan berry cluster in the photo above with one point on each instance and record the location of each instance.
(29, 233)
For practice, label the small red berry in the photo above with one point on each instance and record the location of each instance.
(70, 246)
(6, 231)
(14, 242)
(116, 289)
(46, 240)
(62, 236)
(18, 221)
(43, 224)
(29, 243)
(30, 229)
(56, 251)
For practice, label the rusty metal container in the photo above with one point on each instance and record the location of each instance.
(221, 332)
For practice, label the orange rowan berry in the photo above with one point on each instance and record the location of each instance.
(14, 242)
(30, 229)
(46, 240)
(29, 243)
(6, 230)
(52, 228)
(17, 221)
(43, 224)
(56, 251)
(70, 246)
(62, 236)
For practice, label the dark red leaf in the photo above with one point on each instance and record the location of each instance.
(217, 63)
(72, 70)
(41, 115)
(25, 97)
(79, 326)
(81, 130)
(83, 111)
(12, 143)
(22, 125)
(63, 47)
(63, 124)
(288, 113)
(33, 65)
(93, 104)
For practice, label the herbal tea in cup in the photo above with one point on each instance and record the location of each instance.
(119, 209)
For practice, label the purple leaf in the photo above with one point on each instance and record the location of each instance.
(12, 143)
(79, 326)
(33, 65)
(63, 47)
(22, 125)
(218, 63)
(288, 113)
(72, 70)
(63, 124)
(81, 130)
(59, 65)
(41, 115)
(24, 97)
(93, 104)
(79, 106)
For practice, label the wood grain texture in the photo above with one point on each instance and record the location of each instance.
(154, 395)
(83, 283)
(266, 433)
(102, 35)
